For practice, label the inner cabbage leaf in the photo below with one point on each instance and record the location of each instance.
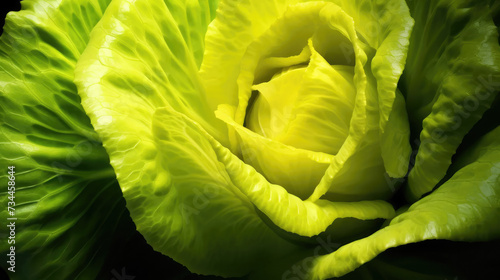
(281, 32)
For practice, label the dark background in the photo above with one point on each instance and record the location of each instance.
(450, 260)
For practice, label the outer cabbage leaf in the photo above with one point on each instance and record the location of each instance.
(451, 79)
(69, 208)
(465, 208)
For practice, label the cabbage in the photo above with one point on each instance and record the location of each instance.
(236, 136)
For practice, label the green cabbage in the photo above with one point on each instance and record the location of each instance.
(238, 135)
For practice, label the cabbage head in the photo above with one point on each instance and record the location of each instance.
(255, 139)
